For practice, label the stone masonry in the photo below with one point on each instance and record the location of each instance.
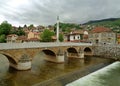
(108, 51)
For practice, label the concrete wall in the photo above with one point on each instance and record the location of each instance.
(108, 51)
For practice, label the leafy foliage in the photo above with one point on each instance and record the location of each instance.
(46, 36)
(18, 32)
(61, 37)
(66, 27)
(31, 26)
(2, 38)
(5, 28)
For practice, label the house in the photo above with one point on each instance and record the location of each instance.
(102, 35)
(33, 36)
(74, 36)
(54, 38)
(11, 38)
(118, 38)
(33, 40)
(21, 39)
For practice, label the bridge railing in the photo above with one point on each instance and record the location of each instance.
(41, 44)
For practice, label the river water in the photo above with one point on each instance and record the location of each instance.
(107, 76)
(43, 71)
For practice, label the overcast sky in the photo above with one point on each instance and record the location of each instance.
(44, 12)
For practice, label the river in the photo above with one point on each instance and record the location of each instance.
(43, 71)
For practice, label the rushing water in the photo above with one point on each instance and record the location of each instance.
(42, 70)
(108, 76)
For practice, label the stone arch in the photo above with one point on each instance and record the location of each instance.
(50, 55)
(87, 51)
(10, 58)
(49, 52)
(71, 50)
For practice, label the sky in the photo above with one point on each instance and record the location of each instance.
(45, 12)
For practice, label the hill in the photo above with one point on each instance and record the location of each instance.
(113, 23)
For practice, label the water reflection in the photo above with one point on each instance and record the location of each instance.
(41, 70)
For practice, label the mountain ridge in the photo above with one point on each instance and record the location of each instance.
(101, 20)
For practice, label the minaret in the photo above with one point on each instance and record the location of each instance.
(57, 29)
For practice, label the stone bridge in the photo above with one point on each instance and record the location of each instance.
(20, 55)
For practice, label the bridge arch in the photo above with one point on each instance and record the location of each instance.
(49, 52)
(10, 58)
(72, 52)
(87, 51)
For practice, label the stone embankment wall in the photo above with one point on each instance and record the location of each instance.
(107, 51)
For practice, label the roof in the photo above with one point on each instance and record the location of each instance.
(11, 35)
(36, 33)
(22, 38)
(33, 39)
(76, 32)
(100, 29)
(54, 37)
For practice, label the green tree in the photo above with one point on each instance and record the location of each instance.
(2, 38)
(5, 28)
(31, 26)
(61, 39)
(25, 26)
(46, 36)
(20, 32)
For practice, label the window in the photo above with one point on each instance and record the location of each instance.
(74, 37)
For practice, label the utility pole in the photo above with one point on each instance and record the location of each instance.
(57, 29)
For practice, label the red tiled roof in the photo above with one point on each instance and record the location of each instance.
(37, 33)
(118, 36)
(100, 29)
(33, 39)
(22, 38)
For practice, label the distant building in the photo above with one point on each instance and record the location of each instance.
(33, 40)
(76, 36)
(33, 36)
(118, 39)
(54, 38)
(21, 39)
(102, 35)
(11, 38)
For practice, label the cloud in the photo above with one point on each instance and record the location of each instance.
(44, 12)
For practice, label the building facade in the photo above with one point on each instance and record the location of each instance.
(102, 35)
(74, 36)
(11, 38)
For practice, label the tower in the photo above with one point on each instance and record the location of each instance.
(57, 35)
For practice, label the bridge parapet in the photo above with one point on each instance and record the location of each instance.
(39, 45)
